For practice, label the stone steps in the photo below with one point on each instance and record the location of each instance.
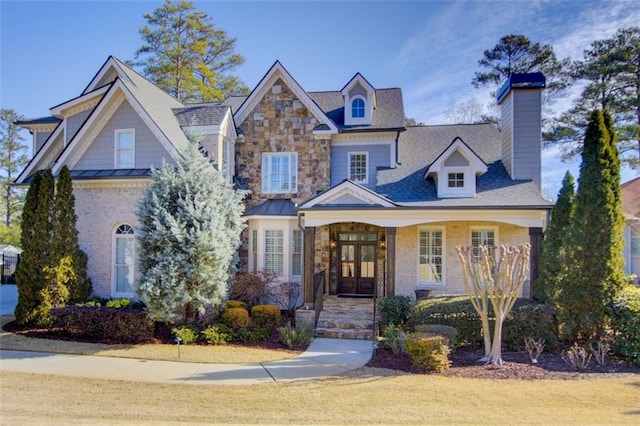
(346, 318)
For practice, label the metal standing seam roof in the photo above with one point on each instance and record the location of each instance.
(281, 207)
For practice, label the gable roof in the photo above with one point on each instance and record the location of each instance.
(350, 191)
(457, 145)
(359, 79)
(205, 114)
(278, 71)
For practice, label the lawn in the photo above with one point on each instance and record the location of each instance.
(366, 397)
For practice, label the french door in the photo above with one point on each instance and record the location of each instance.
(356, 267)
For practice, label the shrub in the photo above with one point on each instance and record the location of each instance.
(119, 303)
(395, 310)
(265, 316)
(184, 334)
(235, 317)
(296, 338)
(577, 357)
(394, 338)
(236, 304)
(245, 335)
(449, 332)
(625, 324)
(428, 352)
(251, 287)
(217, 334)
(102, 323)
(90, 303)
(527, 318)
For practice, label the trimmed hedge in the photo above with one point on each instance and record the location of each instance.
(527, 319)
(102, 323)
(265, 316)
(625, 324)
(235, 317)
(428, 352)
(394, 310)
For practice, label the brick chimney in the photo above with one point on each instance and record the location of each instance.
(520, 99)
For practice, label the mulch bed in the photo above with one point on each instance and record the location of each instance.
(516, 366)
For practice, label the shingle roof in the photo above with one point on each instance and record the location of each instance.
(234, 102)
(201, 114)
(389, 113)
(419, 146)
(272, 208)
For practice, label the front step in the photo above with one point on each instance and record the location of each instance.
(346, 318)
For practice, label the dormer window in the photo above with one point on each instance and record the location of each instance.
(455, 171)
(357, 108)
(456, 180)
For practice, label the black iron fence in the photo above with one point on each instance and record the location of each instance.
(8, 270)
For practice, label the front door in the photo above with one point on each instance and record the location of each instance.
(356, 267)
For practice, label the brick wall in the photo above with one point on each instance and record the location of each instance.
(456, 234)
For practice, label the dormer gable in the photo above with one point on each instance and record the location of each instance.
(455, 171)
(359, 101)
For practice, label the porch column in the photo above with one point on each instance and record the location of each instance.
(390, 257)
(309, 251)
(535, 239)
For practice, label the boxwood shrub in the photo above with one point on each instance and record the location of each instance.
(104, 324)
(527, 319)
(625, 324)
(265, 316)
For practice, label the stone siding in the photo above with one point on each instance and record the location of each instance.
(281, 123)
(100, 210)
(456, 234)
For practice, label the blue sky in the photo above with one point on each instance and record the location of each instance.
(51, 49)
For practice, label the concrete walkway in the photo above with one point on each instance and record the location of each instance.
(324, 358)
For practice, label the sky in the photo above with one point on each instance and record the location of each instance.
(50, 50)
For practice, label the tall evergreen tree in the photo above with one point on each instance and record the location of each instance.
(190, 225)
(65, 238)
(12, 160)
(186, 55)
(595, 273)
(29, 260)
(37, 253)
(553, 263)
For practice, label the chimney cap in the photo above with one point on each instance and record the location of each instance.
(534, 80)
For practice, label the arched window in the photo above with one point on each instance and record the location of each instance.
(357, 108)
(123, 260)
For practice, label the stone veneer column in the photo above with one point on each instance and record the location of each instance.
(308, 264)
(535, 239)
(390, 257)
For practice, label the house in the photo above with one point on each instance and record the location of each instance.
(631, 210)
(340, 187)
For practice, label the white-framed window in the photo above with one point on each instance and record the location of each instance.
(254, 250)
(357, 108)
(274, 251)
(431, 256)
(123, 260)
(358, 167)
(455, 180)
(483, 237)
(296, 254)
(279, 173)
(225, 159)
(125, 148)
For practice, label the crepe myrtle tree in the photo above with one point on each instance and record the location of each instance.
(190, 223)
(496, 283)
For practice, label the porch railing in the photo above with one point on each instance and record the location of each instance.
(318, 292)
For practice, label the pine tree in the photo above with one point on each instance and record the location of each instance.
(65, 238)
(37, 251)
(595, 261)
(12, 160)
(191, 220)
(553, 262)
(29, 260)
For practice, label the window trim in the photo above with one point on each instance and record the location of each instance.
(442, 283)
(494, 229)
(282, 253)
(458, 177)
(366, 159)
(364, 107)
(117, 150)
(293, 252)
(114, 238)
(265, 175)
